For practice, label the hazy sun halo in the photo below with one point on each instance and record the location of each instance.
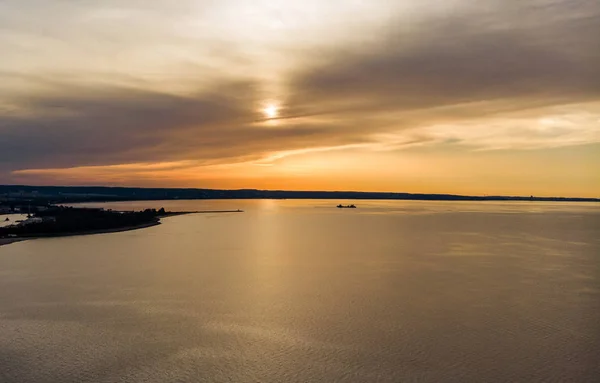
(270, 111)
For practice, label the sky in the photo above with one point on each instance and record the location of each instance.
(468, 97)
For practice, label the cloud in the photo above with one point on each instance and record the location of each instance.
(507, 75)
(82, 126)
(548, 127)
(480, 78)
(90, 125)
(462, 59)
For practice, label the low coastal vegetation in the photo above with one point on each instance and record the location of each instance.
(62, 220)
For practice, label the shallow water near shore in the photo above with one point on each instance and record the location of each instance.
(299, 291)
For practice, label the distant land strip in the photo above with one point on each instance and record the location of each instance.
(70, 194)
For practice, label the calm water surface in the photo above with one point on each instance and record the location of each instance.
(299, 291)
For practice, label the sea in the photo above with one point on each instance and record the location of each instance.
(300, 291)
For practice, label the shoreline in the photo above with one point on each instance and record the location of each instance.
(8, 241)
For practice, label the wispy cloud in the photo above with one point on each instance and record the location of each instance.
(165, 87)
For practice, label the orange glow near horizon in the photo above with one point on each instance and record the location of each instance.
(352, 170)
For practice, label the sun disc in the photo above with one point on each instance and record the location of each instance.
(270, 111)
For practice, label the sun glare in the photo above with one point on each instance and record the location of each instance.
(270, 111)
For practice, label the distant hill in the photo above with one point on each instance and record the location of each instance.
(58, 194)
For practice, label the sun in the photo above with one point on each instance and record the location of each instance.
(270, 111)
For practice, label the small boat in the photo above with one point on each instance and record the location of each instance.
(340, 206)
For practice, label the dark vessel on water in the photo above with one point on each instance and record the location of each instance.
(340, 206)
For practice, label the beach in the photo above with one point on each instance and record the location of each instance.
(8, 241)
